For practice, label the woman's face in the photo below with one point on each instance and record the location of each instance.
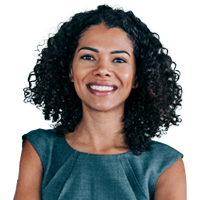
(103, 69)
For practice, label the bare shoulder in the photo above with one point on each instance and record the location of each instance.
(30, 174)
(171, 185)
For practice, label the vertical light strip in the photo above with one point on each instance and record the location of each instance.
(17, 83)
(8, 101)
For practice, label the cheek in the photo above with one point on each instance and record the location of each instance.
(127, 78)
(80, 73)
(79, 76)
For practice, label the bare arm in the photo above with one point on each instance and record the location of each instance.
(30, 175)
(171, 184)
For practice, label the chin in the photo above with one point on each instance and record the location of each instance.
(105, 108)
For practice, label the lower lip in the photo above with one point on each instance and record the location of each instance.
(101, 93)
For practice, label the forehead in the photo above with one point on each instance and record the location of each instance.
(100, 35)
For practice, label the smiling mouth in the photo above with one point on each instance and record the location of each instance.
(101, 89)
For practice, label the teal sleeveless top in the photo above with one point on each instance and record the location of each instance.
(72, 175)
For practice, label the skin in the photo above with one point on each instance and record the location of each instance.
(100, 113)
(30, 175)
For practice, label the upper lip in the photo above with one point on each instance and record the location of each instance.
(102, 84)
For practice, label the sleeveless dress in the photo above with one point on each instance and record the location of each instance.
(72, 175)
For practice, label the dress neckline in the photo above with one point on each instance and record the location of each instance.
(91, 154)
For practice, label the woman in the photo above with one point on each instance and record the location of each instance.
(108, 84)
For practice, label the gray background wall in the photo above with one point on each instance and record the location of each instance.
(175, 24)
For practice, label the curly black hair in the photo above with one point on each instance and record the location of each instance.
(149, 110)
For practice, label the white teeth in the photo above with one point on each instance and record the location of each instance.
(101, 88)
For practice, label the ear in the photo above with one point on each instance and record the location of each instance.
(71, 75)
(135, 84)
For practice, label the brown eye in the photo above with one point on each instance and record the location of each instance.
(119, 60)
(87, 57)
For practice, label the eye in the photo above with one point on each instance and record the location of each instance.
(87, 57)
(119, 60)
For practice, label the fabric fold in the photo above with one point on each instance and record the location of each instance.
(132, 178)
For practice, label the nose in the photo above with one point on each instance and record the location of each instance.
(103, 69)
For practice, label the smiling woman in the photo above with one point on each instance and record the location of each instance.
(109, 87)
(104, 57)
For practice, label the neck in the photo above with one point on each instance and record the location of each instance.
(101, 130)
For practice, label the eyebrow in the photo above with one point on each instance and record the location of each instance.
(119, 51)
(96, 50)
(89, 48)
